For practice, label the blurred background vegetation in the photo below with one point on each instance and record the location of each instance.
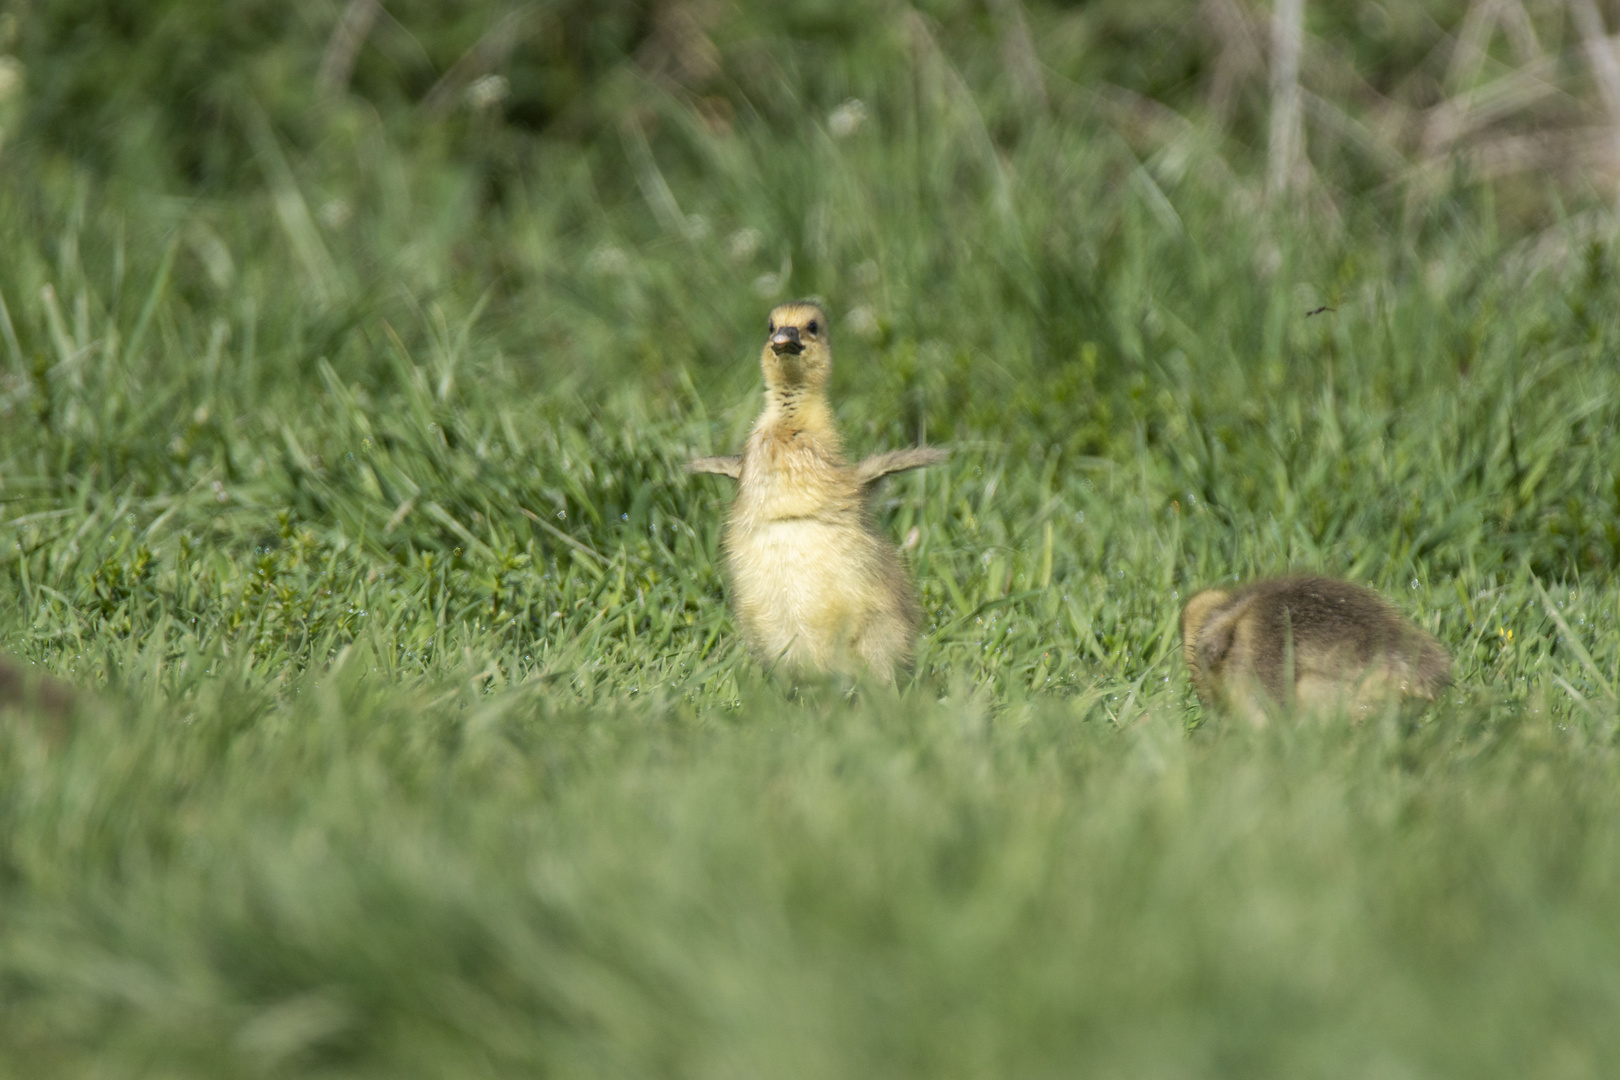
(160, 94)
(492, 149)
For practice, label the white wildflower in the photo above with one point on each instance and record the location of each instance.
(863, 322)
(335, 213)
(843, 121)
(743, 244)
(608, 260)
(11, 76)
(488, 91)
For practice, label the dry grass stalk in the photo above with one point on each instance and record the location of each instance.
(1580, 149)
(1600, 54)
(940, 80)
(1240, 57)
(343, 48)
(1018, 53)
(1469, 111)
(1473, 37)
(1471, 51)
(1287, 137)
(1516, 23)
(654, 188)
(679, 53)
(1375, 144)
(293, 211)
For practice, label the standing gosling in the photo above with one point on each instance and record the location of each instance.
(1310, 642)
(814, 584)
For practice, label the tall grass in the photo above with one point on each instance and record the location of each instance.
(348, 479)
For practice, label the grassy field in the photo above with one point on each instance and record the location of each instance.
(341, 444)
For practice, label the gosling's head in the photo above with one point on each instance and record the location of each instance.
(1194, 618)
(798, 352)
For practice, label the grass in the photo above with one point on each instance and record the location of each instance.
(422, 743)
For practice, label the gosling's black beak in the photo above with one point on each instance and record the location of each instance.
(786, 340)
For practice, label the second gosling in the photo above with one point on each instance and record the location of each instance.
(46, 699)
(815, 585)
(1308, 642)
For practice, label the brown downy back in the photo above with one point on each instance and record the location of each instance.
(1328, 630)
(51, 701)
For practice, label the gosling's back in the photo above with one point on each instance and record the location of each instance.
(1310, 641)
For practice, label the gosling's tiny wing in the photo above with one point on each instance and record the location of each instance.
(876, 467)
(720, 466)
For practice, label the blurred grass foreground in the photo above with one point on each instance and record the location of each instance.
(349, 356)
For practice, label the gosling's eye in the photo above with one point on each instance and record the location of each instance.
(770, 328)
(813, 327)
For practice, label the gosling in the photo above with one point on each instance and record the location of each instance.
(1310, 643)
(50, 701)
(815, 586)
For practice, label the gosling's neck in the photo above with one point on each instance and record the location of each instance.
(799, 409)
